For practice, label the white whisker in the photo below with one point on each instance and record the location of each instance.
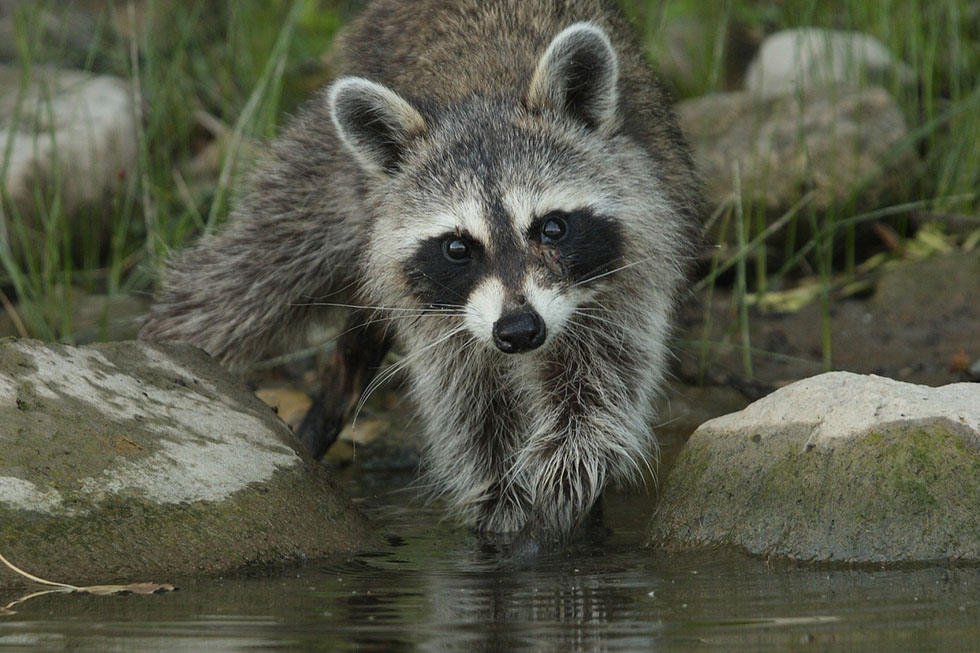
(385, 374)
(431, 308)
(613, 271)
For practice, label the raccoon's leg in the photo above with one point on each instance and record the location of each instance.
(361, 348)
(595, 429)
(473, 430)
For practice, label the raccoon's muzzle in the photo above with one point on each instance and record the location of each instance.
(518, 332)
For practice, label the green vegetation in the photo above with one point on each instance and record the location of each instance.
(941, 43)
(216, 78)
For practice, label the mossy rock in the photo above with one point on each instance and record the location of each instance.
(837, 468)
(138, 461)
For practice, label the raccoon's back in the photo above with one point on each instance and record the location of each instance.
(446, 50)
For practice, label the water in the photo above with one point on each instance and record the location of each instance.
(433, 589)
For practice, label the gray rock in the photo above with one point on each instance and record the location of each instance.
(797, 60)
(64, 32)
(836, 145)
(682, 54)
(68, 130)
(140, 461)
(835, 468)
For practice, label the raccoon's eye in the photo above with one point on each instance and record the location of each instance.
(553, 228)
(455, 249)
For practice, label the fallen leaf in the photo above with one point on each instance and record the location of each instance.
(134, 588)
(94, 590)
(959, 362)
(785, 301)
(363, 431)
(291, 405)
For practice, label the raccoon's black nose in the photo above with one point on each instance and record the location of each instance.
(519, 332)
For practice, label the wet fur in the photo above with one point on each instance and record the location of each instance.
(517, 443)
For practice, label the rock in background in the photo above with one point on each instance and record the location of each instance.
(835, 468)
(811, 117)
(919, 326)
(72, 135)
(66, 32)
(836, 145)
(89, 317)
(797, 60)
(139, 461)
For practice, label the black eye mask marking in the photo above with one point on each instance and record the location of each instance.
(577, 245)
(445, 269)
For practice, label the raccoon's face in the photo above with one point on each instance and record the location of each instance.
(506, 233)
(511, 212)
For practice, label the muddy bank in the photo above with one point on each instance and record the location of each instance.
(918, 324)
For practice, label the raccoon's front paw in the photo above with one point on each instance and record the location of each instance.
(540, 537)
(533, 541)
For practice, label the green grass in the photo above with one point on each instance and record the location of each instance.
(217, 78)
(211, 75)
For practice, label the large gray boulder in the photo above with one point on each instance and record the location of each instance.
(837, 145)
(69, 132)
(836, 468)
(142, 461)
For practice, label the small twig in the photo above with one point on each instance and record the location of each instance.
(98, 590)
(7, 609)
(212, 124)
(14, 315)
(15, 568)
(94, 590)
(186, 196)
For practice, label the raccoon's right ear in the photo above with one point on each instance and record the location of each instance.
(578, 75)
(375, 123)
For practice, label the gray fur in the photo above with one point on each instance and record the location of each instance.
(459, 115)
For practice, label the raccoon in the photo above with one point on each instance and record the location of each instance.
(499, 189)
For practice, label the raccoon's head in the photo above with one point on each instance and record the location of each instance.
(510, 211)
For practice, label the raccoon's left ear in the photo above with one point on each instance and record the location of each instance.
(578, 75)
(376, 124)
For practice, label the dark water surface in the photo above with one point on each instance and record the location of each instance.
(434, 590)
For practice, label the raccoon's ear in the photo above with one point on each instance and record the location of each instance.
(375, 123)
(578, 74)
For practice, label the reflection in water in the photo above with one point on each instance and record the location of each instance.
(444, 593)
(438, 589)
(476, 603)
(568, 607)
